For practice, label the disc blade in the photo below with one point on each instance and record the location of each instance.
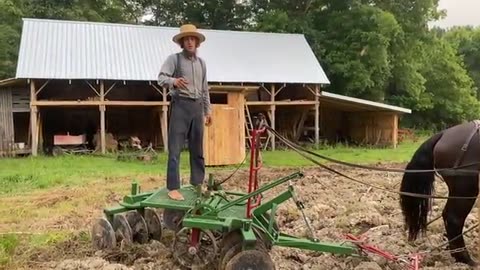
(139, 227)
(154, 224)
(103, 235)
(123, 232)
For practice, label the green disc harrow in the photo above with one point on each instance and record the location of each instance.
(214, 228)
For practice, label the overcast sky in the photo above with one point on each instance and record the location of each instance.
(460, 12)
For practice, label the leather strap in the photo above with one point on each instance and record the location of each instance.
(467, 142)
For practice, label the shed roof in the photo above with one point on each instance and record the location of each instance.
(55, 49)
(356, 104)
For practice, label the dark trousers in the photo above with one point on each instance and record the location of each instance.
(186, 122)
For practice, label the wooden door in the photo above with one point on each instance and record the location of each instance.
(224, 140)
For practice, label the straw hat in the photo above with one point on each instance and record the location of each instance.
(188, 30)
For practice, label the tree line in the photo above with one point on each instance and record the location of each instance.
(381, 50)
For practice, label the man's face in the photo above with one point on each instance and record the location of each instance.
(190, 44)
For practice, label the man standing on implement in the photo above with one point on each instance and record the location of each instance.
(184, 73)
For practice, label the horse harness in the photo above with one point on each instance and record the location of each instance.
(467, 142)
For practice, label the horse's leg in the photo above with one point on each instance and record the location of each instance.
(457, 210)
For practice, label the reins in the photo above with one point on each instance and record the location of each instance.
(348, 164)
(301, 151)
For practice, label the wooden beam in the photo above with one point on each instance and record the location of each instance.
(281, 103)
(43, 86)
(280, 89)
(93, 88)
(54, 103)
(135, 103)
(110, 89)
(164, 127)
(157, 89)
(317, 115)
(102, 119)
(272, 109)
(39, 129)
(233, 88)
(164, 120)
(33, 119)
(314, 92)
(265, 89)
(395, 131)
(301, 124)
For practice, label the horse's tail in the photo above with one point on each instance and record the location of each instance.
(415, 210)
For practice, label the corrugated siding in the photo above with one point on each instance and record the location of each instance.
(52, 49)
(6, 123)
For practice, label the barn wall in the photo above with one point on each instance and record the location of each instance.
(373, 128)
(7, 136)
(333, 125)
(21, 100)
(287, 119)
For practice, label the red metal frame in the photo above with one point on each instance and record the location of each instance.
(255, 166)
(414, 259)
(195, 237)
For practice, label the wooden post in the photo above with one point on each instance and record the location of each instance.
(317, 114)
(103, 140)
(33, 119)
(164, 121)
(272, 109)
(395, 130)
(39, 129)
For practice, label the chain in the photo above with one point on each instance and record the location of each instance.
(301, 207)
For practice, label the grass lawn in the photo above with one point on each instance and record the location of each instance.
(27, 174)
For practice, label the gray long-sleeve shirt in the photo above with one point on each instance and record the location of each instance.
(190, 69)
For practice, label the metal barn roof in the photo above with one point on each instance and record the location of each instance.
(356, 104)
(53, 49)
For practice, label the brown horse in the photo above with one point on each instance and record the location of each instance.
(457, 146)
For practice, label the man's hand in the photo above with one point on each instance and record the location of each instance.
(208, 120)
(180, 83)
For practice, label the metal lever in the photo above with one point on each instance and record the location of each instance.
(301, 207)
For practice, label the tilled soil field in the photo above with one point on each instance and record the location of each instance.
(334, 205)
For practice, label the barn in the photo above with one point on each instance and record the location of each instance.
(97, 82)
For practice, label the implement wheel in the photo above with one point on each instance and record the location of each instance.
(199, 256)
(103, 235)
(139, 227)
(154, 224)
(173, 219)
(253, 259)
(232, 244)
(123, 232)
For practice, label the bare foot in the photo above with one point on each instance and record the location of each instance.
(175, 195)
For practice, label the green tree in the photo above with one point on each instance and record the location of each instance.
(217, 14)
(452, 91)
(355, 49)
(11, 13)
(350, 39)
(10, 26)
(466, 40)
